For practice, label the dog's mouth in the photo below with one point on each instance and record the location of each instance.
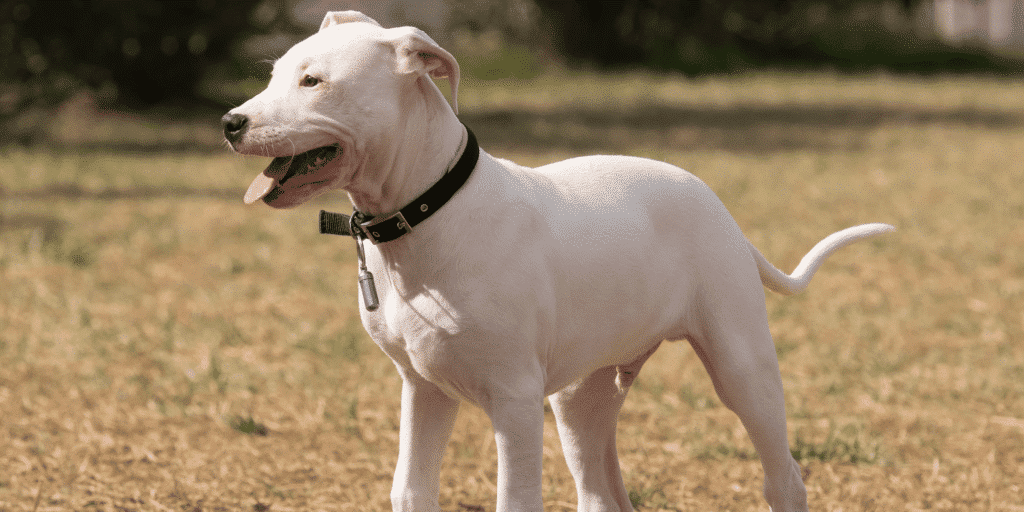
(267, 186)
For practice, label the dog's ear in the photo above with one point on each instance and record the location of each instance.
(417, 53)
(339, 17)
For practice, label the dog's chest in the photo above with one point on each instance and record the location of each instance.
(423, 335)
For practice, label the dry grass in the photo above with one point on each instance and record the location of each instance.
(164, 347)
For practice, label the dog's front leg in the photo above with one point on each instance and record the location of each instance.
(519, 436)
(427, 418)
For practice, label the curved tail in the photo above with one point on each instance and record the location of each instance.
(777, 281)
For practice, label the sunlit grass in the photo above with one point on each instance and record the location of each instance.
(153, 326)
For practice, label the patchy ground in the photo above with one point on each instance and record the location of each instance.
(164, 347)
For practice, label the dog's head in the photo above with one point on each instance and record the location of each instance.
(328, 97)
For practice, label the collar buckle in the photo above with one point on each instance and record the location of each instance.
(387, 229)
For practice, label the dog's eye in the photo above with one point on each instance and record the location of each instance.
(308, 81)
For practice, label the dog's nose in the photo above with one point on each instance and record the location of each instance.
(234, 126)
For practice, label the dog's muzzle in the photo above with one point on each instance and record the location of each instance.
(281, 168)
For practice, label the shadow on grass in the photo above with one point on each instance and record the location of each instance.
(743, 128)
(748, 129)
(79, 127)
(740, 129)
(46, 235)
(206, 147)
(49, 226)
(72, 191)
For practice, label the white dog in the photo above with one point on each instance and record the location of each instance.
(560, 280)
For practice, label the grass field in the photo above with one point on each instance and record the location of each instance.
(165, 347)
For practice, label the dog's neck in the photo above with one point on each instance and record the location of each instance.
(410, 158)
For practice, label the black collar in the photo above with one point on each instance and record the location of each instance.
(401, 222)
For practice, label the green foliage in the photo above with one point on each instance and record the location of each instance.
(138, 52)
(145, 52)
(247, 425)
(835, 448)
(723, 451)
(642, 498)
(713, 37)
(506, 62)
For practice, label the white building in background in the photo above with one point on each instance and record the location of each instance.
(996, 23)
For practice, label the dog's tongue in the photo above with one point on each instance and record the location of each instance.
(260, 187)
(283, 168)
(266, 181)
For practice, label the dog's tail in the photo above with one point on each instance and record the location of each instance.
(777, 281)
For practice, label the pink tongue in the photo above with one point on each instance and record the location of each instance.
(280, 167)
(260, 187)
(267, 180)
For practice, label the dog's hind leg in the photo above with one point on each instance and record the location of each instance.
(586, 414)
(737, 350)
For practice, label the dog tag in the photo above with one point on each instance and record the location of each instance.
(341, 224)
(368, 289)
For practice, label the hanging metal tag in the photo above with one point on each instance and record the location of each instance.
(346, 225)
(369, 291)
(366, 287)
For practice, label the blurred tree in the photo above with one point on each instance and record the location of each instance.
(699, 36)
(141, 52)
(137, 52)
